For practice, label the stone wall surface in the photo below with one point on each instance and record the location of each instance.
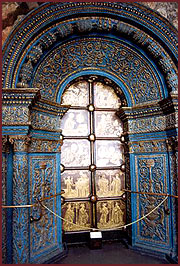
(168, 10)
(13, 12)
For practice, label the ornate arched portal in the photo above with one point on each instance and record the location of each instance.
(135, 51)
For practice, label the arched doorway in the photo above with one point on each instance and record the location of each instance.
(92, 158)
(52, 45)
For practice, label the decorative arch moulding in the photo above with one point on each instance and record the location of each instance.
(31, 41)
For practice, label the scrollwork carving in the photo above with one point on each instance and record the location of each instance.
(148, 146)
(15, 115)
(100, 54)
(38, 145)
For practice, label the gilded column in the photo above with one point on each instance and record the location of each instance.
(20, 197)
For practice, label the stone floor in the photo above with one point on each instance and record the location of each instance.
(111, 253)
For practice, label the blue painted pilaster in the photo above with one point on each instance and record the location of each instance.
(21, 220)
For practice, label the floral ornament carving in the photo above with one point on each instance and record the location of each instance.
(38, 145)
(152, 178)
(100, 54)
(43, 233)
(43, 120)
(20, 215)
(150, 124)
(148, 146)
(15, 114)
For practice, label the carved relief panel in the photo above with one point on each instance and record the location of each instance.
(151, 172)
(111, 214)
(77, 216)
(43, 183)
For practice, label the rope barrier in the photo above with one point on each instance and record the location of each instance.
(19, 206)
(83, 227)
(35, 204)
(118, 227)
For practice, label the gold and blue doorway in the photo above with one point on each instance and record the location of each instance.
(92, 157)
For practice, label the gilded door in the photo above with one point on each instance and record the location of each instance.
(92, 158)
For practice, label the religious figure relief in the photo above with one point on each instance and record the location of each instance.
(117, 214)
(75, 123)
(103, 185)
(83, 216)
(109, 153)
(75, 153)
(115, 186)
(109, 185)
(76, 216)
(82, 186)
(69, 218)
(76, 94)
(111, 214)
(104, 214)
(107, 124)
(105, 97)
(76, 184)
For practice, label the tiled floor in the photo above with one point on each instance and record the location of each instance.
(111, 253)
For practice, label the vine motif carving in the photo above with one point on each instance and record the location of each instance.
(40, 120)
(148, 146)
(38, 145)
(100, 54)
(20, 215)
(15, 114)
(43, 233)
(152, 178)
(149, 124)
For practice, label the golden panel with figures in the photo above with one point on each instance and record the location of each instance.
(76, 216)
(110, 214)
(92, 157)
(109, 183)
(76, 184)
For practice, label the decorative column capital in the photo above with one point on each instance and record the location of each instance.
(20, 142)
